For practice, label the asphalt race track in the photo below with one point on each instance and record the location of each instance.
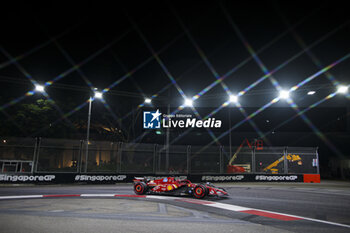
(250, 208)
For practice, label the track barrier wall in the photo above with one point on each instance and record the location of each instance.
(69, 178)
(38, 160)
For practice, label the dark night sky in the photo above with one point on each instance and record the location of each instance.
(47, 37)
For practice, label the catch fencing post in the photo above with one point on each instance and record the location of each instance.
(120, 153)
(221, 148)
(188, 158)
(285, 162)
(34, 155)
(154, 157)
(36, 151)
(159, 159)
(318, 162)
(253, 160)
(80, 156)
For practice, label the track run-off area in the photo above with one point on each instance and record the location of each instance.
(251, 207)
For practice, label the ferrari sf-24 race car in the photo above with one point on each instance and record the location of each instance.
(176, 187)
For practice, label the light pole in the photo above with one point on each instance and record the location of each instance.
(167, 143)
(232, 99)
(187, 103)
(40, 89)
(229, 126)
(98, 95)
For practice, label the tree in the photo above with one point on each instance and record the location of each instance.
(34, 119)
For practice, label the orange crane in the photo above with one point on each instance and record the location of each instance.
(239, 169)
(289, 157)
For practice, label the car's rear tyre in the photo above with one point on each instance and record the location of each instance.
(200, 191)
(140, 188)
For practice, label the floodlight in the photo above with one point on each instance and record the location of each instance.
(39, 88)
(233, 98)
(98, 95)
(284, 94)
(188, 103)
(311, 92)
(148, 101)
(342, 89)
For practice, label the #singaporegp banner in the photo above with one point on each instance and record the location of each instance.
(96, 178)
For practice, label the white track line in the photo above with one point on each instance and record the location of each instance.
(162, 197)
(97, 195)
(20, 197)
(228, 206)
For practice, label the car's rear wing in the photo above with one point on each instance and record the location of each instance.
(137, 179)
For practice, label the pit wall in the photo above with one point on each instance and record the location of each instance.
(69, 178)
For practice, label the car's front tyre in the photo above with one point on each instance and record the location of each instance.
(200, 191)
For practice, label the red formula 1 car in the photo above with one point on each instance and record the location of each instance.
(177, 187)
